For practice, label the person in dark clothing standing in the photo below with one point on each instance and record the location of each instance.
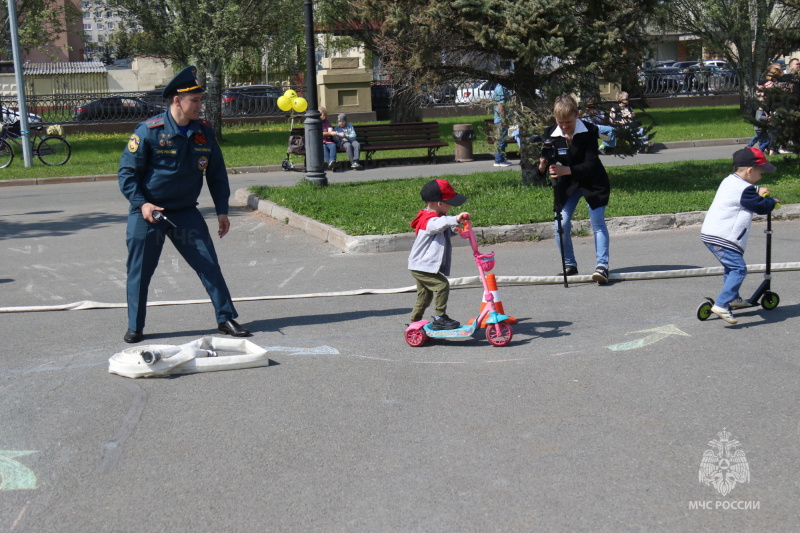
(161, 174)
(579, 173)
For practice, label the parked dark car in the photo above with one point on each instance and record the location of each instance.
(117, 109)
(250, 100)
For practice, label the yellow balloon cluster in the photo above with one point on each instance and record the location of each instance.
(290, 100)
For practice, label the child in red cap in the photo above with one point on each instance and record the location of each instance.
(430, 258)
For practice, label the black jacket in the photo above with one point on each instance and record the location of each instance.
(588, 173)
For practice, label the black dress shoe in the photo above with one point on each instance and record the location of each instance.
(231, 327)
(132, 336)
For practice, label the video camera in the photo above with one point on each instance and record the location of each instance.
(554, 149)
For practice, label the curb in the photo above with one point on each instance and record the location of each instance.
(402, 242)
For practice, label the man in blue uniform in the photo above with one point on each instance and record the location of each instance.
(161, 174)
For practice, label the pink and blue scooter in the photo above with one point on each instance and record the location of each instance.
(498, 331)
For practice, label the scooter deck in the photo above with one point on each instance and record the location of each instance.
(464, 331)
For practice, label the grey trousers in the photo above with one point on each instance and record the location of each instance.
(353, 150)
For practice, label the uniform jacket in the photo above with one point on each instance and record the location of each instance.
(432, 248)
(727, 223)
(163, 167)
(588, 172)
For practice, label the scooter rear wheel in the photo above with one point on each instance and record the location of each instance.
(499, 334)
(770, 300)
(416, 337)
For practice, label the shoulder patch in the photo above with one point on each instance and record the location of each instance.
(154, 122)
(133, 143)
(204, 122)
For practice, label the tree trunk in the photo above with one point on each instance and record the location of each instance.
(403, 107)
(213, 100)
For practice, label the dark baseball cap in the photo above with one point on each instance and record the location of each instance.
(441, 191)
(752, 157)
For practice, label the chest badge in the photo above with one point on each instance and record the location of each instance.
(202, 163)
(199, 138)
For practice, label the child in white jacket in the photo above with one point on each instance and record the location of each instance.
(727, 224)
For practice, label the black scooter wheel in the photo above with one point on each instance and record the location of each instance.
(770, 300)
(285, 165)
(704, 311)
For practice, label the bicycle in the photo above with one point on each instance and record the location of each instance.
(52, 150)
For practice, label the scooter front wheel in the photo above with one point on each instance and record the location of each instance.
(770, 300)
(704, 310)
(416, 337)
(499, 334)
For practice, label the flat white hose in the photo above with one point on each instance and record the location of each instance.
(464, 281)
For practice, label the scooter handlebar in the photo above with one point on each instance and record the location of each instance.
(777, 203)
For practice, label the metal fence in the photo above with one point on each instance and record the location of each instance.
(688, 82)
(261, 100)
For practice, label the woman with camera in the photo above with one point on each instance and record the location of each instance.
(575, 167)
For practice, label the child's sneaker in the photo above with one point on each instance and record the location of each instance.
(724, 314)
(739, 303)
(444, 322)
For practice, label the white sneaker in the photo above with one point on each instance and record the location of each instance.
(355, 165)
(740, 303)
(503, 164)
(724, 314)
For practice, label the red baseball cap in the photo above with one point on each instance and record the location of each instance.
(441, 191)
(752, 157)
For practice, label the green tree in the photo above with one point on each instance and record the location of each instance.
(748, 33)
(39, 23)
(208, 33)
(123, 42)
(535, 48)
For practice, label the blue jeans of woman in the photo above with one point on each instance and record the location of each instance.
(733, 274)
(599, 228)
(330, 151)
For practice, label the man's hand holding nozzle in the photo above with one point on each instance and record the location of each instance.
(158, 216)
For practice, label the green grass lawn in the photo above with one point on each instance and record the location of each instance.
(498, 198)
(254, 145)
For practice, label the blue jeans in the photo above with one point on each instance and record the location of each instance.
(734, 272)
(330, 152)
(598, 220)
(607, 131)
(502, 143)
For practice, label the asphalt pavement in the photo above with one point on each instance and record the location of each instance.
(599, 416)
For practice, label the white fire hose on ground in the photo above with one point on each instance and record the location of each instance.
(464, 281)
(202, 355)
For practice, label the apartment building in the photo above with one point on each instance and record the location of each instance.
(99, 25)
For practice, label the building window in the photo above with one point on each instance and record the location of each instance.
(87, 26)
(101, 38)
(110, 25)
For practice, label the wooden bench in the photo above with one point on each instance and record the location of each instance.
(400, 136)
(491, 129)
